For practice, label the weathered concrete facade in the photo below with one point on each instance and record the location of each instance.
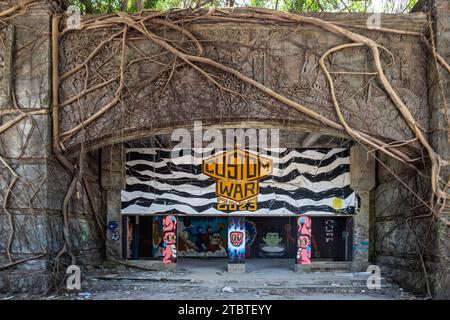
(35, 201)
(438, 99)
(282, 57)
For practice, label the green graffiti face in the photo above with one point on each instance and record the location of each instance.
(272, 239)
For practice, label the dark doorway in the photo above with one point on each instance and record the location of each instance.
(139, 235)
(332, 238)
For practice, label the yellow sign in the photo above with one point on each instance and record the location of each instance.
(237, 175)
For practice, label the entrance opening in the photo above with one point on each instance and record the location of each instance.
(331, 238)
(138, 238)
(271, 242)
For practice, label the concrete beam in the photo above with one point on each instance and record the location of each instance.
(310, 139)
(362, 169)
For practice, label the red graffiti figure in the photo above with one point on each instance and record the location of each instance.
(170, 239)
(304, 240)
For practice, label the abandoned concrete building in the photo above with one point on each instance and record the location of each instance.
(108, 130)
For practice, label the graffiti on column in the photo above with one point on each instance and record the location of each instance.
(113, 229)
(304, 240)
(169, 239)
(236, 240)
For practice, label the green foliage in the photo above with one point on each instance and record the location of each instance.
(388, 6)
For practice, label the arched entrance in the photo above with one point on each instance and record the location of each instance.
(196, 207)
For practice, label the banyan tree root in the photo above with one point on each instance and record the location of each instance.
(140, 24)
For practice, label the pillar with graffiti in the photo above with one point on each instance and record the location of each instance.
(303, 240)
(236, 244)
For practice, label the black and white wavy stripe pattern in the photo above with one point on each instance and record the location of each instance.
(303, 181)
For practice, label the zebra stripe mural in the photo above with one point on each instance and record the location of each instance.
(204, 181)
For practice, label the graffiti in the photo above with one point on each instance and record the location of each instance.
(236, 240)
(130, 239)
(250, 236)
(329, 230)
(304, 240)
(202, 237)
(272, 245)
(362, 246)
(237, 173)
(84, 232)
(113, 229)
(260, 244)
(169, 239)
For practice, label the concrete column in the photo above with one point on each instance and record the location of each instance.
(304, 229)
(170, 240)
(35, 201)
(112, 181)
(439, 266)
(236, 244)
(362, 181)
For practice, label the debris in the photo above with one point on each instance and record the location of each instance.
(227, 289)
(335, 284)
(85, 294)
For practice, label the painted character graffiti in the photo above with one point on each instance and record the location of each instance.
(185, 244)
(215, 242)
(304, 240)
(236, 240)
(202, 237)
(272, 245)
(169, 239)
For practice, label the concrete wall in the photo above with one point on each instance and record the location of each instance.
(439, 101)
(35, 201)
(283, 57)
(395, 247)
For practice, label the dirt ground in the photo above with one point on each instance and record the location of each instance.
(209, 280)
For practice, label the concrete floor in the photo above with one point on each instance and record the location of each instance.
(207, 279)
(253, 265)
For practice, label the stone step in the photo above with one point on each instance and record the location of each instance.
(284, 289)
(292, 282)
